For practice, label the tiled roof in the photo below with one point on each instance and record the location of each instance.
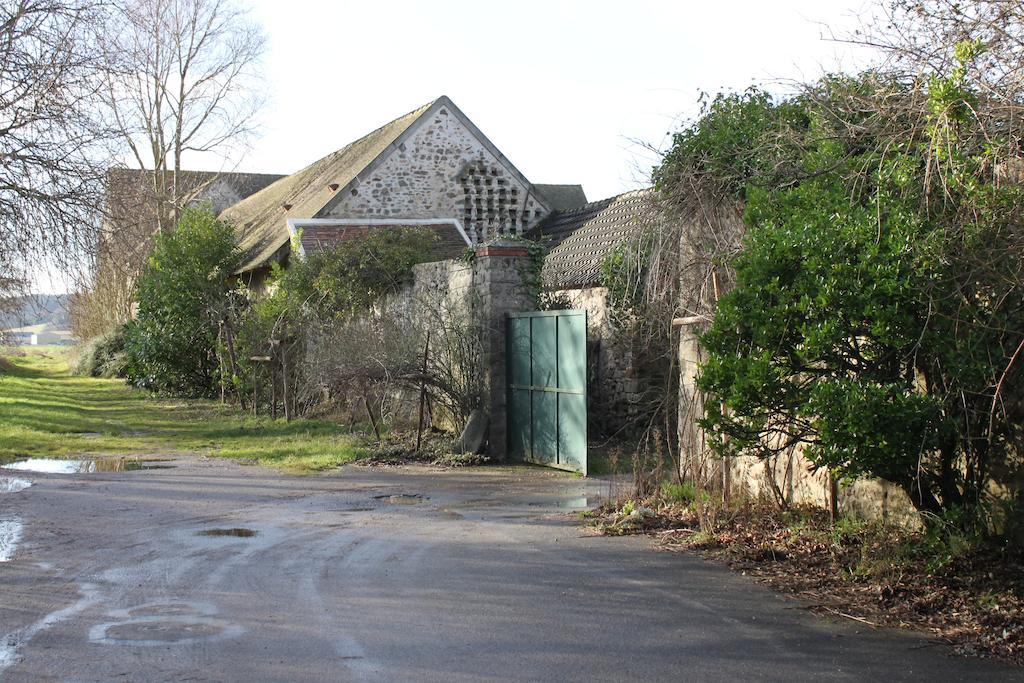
(261, 220)
(579, 239)
(562, 197)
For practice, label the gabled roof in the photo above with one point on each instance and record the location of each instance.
(562, 197)
(260, 220)
(579, 239)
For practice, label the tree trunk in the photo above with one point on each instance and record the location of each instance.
(229, 337)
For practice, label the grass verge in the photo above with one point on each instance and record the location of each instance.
(45, 411)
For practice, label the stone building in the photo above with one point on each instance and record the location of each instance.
(130, 219)
(432, 167)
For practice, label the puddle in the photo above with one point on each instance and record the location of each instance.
(10, 534)
(47, 466)
(163, 631)
(402, 498)
(86, 465)
(237, 532)
(12, 485)
(164, 624)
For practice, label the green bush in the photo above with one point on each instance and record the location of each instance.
(103, 356)
(875, 317)
(348, 278)
(684, 493)
(184, 296)
(310, 300)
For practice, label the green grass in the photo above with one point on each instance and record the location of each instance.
(45, 411)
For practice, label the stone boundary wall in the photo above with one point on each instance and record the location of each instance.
(613, 389)
(487, 288)
(793, 475)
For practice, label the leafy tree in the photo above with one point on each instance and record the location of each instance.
(314, 298)
(878, 306)
(182, 294)
(739, 139)
(349, 278)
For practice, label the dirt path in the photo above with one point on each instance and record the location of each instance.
(400, 574)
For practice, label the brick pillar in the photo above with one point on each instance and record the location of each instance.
(498, 272)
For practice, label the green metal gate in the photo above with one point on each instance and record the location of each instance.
(547, 383)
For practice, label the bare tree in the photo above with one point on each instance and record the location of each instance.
(50, 134)
(181, 80)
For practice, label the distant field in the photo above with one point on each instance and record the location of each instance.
(45, 411)
(46, 334)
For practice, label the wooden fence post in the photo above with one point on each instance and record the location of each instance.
(423, 394)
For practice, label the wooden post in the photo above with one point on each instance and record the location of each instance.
(220, 360)
(369, 414)
(229, 339)
(273, 392)
(256, 360)
(423, 394)
(833, 497)
(284, 385)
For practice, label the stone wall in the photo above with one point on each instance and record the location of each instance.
(444, 171)
(613, 389)
(790, 475)
(486, 289)
(450, 280)
(221, 194)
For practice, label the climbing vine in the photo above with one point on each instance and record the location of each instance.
(877, 309)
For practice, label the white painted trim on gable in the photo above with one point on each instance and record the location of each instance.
(294, 224)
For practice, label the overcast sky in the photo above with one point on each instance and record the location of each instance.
(569, 90)
(561, 87)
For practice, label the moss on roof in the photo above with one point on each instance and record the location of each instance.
(261, 220)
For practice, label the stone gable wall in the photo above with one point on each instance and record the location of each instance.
(443, 171)
(220, 195)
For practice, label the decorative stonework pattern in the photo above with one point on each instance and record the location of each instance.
(444, 171)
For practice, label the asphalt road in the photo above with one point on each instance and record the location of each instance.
(351, 576)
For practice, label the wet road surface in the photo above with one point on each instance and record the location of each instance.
(206, 570)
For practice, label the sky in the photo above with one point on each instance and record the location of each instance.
(570, 91)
